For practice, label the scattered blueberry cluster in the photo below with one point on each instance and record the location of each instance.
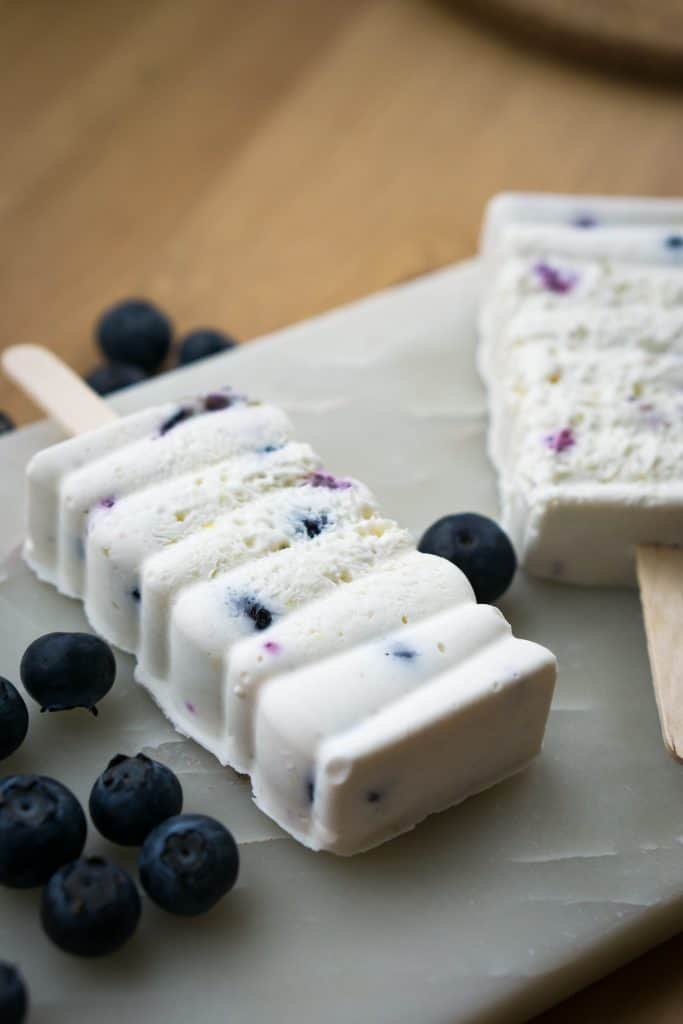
(91, 906)
(135, 336)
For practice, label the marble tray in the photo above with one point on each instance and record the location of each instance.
(489, 912)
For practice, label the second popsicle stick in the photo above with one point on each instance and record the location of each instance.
(660, 577)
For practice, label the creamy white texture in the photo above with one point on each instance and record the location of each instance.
(142, 540)
(341, 755)
(191, 444)
(218, 551)
(48, 468)
(274, 523)
(562, 283)
(584, 363)
(642, 243)
(586, 214)
(398, 594)
(207, 619)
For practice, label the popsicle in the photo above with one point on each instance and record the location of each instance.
(581, 346)
(246, 580)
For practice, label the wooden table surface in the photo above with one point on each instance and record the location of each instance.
(250, 164)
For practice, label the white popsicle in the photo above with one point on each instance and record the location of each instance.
(205, 541)
(582, 350)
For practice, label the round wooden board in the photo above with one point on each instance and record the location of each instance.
(645, 35)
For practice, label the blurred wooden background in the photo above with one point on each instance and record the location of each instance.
(249, 164)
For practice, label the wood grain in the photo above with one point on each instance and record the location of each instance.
(248, 165)
(660, 577)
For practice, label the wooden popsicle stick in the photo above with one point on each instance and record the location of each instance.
(56, 389)
(660, 577)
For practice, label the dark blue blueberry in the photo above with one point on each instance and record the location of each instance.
(203, 342)
(68, 670)
(132, 796)
(182, 414)
(314, 525)
(42, 826)
(269, 448)
(479, 547)
(113, 377)
(90, 907)
(217, 400)
(13, 995)
(310, 789)
(674, 242)
(135, 332)
(13, 718)
(6, 423)
(373, 796)
(188, 863)
(584, 220)
(135, 594)
(402, 652)
(260, 616)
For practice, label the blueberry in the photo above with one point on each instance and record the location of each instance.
(261, 616)
(201, 343)
(314, 525)
(6, 423)
(13, 718)
(134, 331)
(188, 863)
(13, 995)
(179, 416)
(90, 907)
(132, 796)
(217, 400)
(68, 670)
(479, 547)
(114, 376)
(42, 826)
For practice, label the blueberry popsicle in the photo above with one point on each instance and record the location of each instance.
(207, 542)
(581, 345)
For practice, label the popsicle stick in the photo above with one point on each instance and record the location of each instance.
(660, 576)
(56, 389)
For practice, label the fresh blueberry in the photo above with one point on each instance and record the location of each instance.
(90, 907)
(68, 670)
(42, 826)
(6, 423)
(135, 331)
(13, 719)
(188, 863)
(479, 547)
(13, 995)
(203, 342)
(132, 796)
(113, 377)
